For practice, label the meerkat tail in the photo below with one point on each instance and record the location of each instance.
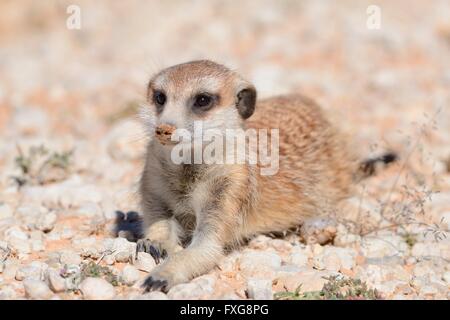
(371, 166)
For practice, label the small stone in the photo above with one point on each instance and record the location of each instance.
(3, 245)
(37, 245)
(5, 211)
(15, 233)
(10, 270)
(200, 287)
(19, 245)
(122, 244)
(259, 263)
(109, 259)
(56, 282)
(144, 262)
(259, 289)
(335, 259)
(83, 243)
(70, 257)
(419, 282)
(90, 253)
(389, 287)
(67, 233)
(36, 235)
(280, 245)
(309, 279)
(130, 275)
(446, 277)
(7, 293)
(228, 263)
(404, 289)
(89, 209)
(46, 222)
(29, 272)
(429, 290)
(423, 269)
(378, 248)
(37, 289)
(97, 289)
(30, 213)
(299, 258)
(346, 239)
(123, 256)
(288, 269)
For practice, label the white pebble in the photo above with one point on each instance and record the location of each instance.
(19, 245)
(446, 277)
(130, 275)
(256, 262)
(56, 282)
(46, 222)
(36, 289)
(70, 257)
(259, 289)
(5, 211)
(97, 289)
(29, 272)
(144, 262)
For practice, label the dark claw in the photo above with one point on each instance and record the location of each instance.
(145, 245)
(155, 253)
(151, 284)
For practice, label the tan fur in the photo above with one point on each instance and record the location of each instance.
(210, 207)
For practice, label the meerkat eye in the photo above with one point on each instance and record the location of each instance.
(202, 100)
(159, 98)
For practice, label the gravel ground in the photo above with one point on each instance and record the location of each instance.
(69, 137)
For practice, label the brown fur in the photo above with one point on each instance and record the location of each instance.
(211, 207)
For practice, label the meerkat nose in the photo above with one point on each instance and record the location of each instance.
(164, 133)
(165, 129)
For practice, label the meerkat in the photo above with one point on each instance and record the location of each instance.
(193, 212)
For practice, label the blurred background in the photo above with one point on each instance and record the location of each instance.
(71, 143)
(79, 88)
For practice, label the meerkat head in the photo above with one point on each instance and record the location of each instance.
(201, 91)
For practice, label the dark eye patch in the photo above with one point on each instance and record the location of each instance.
(159, 99)
(203, 102)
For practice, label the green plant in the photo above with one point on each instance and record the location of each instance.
(410, 239)
(337, 288)
(40, 166)
(95, 270)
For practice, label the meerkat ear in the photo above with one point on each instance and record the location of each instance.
(246, 101)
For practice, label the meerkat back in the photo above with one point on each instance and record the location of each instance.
(315, 159)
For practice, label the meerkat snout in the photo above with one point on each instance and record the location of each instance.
(163, 133)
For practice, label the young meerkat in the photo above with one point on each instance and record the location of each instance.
(211, 207)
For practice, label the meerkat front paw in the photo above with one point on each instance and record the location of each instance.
(153, 283)
(154, 248)
(160, 279)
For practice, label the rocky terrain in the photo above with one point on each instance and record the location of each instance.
(71, 144)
